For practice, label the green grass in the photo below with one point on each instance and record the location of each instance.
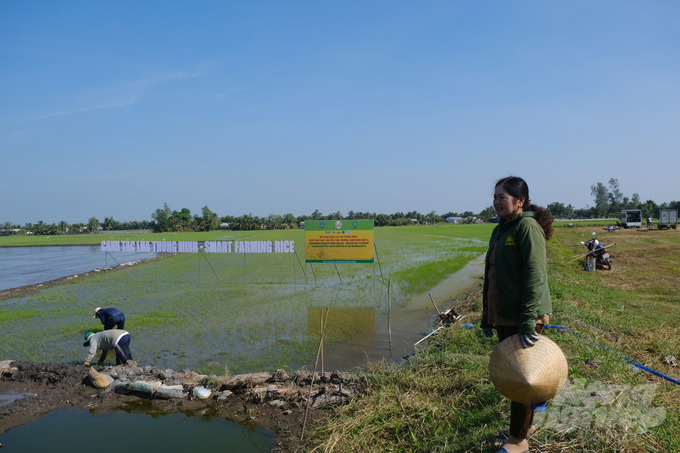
(442, 399)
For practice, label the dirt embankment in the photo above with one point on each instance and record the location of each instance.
(271, 400)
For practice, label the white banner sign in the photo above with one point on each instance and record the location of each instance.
(192, 246)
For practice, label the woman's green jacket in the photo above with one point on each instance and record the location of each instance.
(521, 271)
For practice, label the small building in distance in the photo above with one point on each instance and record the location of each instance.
(454, 220)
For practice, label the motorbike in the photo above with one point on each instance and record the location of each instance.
(599, 253)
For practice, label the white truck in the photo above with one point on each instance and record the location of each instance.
(668, 218)
(631, 218)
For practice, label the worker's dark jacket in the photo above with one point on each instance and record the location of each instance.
(521, 271)
(111, 317)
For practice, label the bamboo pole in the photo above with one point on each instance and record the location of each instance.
(313, 273)
(428, 335)
(206, 260)
(119, 265)
(338, 272)
(304, 272)
(435, 331)
(389, 311)
(587, 253)
(375, 247)
(309, 394)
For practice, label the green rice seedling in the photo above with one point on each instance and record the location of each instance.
(196, 318)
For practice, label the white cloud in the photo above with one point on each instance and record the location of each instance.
(121, 94)
(89, 107)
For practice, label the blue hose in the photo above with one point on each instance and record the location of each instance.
(642, 367)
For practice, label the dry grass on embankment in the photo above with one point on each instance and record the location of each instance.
(442, 399)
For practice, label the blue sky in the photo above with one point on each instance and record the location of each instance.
(113, 108)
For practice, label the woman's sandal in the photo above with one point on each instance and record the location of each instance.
(530, 432)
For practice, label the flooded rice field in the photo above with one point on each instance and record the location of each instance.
(230, 313)
(410, 322)
(214, 314)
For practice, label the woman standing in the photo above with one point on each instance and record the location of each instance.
(516, 297)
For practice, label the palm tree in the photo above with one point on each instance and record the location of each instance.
(93, 224)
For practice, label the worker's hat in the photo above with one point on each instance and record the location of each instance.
(87, 338)
(96, 310)
(528, 375)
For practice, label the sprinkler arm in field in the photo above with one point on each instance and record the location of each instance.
(581, 255)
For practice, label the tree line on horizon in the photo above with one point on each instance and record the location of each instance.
(608, 202)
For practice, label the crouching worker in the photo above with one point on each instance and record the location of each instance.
(110, 317)
(118, 340)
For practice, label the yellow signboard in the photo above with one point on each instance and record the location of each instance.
(339, 241)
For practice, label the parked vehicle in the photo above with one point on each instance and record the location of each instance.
(597, 253)
(631, 218)
(668, 218)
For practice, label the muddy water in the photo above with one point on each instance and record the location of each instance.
(73, 431)
(11, 397)
(409, 323)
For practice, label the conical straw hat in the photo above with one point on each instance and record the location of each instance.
(530, 375)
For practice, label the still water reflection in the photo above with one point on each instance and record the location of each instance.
(20, 266)
(73, 431)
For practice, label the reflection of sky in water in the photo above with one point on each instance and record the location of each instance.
(11, 397)
(20, 266)
(56, 431)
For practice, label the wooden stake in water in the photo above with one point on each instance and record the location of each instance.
(313, 273)
(311, 384)
(304, 269)
(338, 272)
(121, 266)
(389, 311)
(375, 247)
